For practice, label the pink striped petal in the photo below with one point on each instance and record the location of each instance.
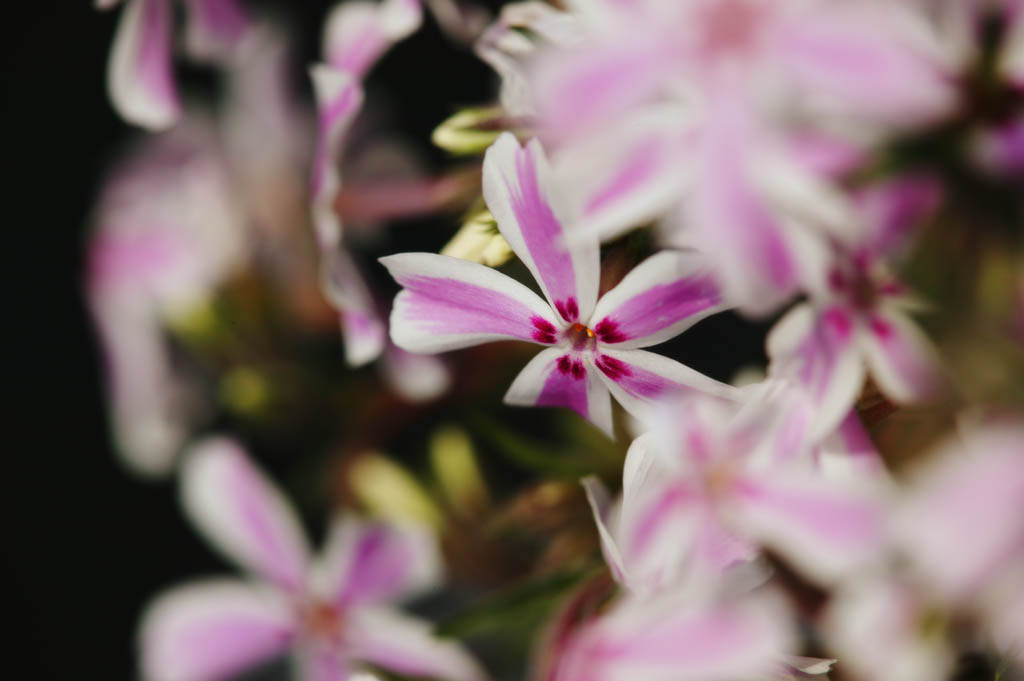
(880, 60)
(605, 518)
(893, 210)
(558, 377)
(902, 361)
(449, 303)
(826, 529)
(372, 562)
(667, 640)
(405, 645)
(519, 193)
(638, 379)
(140, 75)
(214, 27)
(213, 630)
(659, 299)
(816, 350)
(358, 33)
(242, 514)
(316, 660)
(961, 522)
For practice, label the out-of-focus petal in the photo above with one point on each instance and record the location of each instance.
(415, 378)
(962, 522)
(558, 378)
(878, 59)
(659, 299)
(901, 359)
(346, 290)
(316, 660)
(243, 514)
(450, 303)
(214, 27)
(212, 630)
(816, 349)
(638, 379)
(826, 529)
(375, 562)
(140, 75)
(604, 511)
(518, 190)
(892, 210)
(405, 645)
(665, 640)
(358, 33)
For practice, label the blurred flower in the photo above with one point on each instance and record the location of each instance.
(714, 481)
(478, 240)
(168, 232)
(856, 320)
(329, 612)
(450, 303)
(140, 76)
(704, 113)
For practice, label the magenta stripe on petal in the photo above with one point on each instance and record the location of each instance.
(658, 307)
(450, 306)
(634, 380)
(566, 386)
(542, 233)
(637, 169)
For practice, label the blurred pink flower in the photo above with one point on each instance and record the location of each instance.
(691, 112)
(593, 344)
(712, 482)
(330, 612)
(140, 73)
(857, 317)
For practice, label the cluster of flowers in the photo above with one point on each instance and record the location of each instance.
(745, 137)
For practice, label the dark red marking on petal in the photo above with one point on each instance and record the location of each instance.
(568, 308)
(608, 331)
(880, 327)
(564, 364)
(613, 368)
(578, 372)
(544, 331)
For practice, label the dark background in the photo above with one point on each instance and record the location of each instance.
(89, 543)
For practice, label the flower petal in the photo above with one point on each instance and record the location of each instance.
(638, 379)
(358, 33)
(242, 514)
(826, 529)
(373, 561)
(519, 193)
(901, 359)
(345, 289)
(604, 517)
(659, 299)
(449, 303)
(405, 645)
(816, 349)
(664, 639)
(214, 27)
(213, 629)
(140, 77)
(558, 378)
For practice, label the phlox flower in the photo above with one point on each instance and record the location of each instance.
(712, 482)
(330, 612)
(592, 345)
(706, 115)
(168, 232)
(140, 73)
(958, 542)
(857, 317)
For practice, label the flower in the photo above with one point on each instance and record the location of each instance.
(714, 481)
(140, 76)
(856, 319)
(592, 345)
(700, 114)
(329, 612)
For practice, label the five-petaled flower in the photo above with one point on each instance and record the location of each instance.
(592, 344)
(329, 612)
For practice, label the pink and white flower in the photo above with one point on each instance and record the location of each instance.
(329, 612)
(692, 112)
(713, 482)
(140, 73)
(355, 36)
(592, 346)
(856, 320)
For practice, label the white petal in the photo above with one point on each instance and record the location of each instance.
(140, 76)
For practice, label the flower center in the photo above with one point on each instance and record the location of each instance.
(581, 337)
(323, 620)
